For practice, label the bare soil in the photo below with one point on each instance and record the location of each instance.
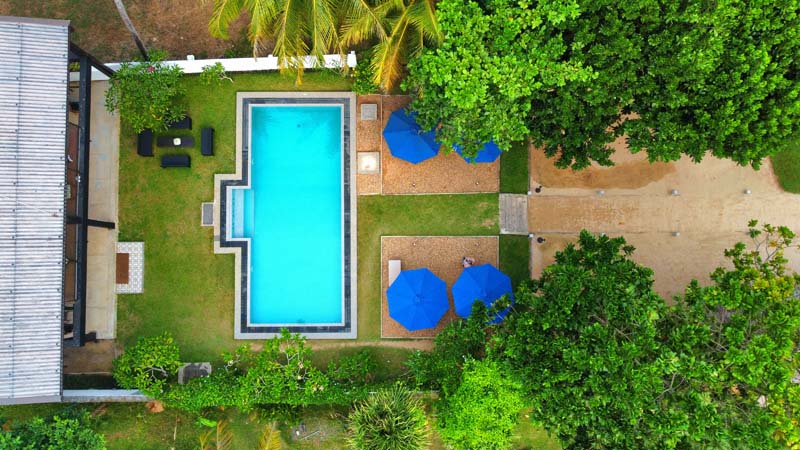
(442, 255)
(179, 27)
(709, 214)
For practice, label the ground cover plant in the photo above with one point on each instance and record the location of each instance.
(687, 78)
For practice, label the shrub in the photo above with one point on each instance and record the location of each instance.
(363, 77)
(390, 419)
(54, 434)
(148, 365)
(356, 369)
(484, 410)
(146, 94)
(214, 73)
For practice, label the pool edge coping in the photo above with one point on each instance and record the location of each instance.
(237, 251)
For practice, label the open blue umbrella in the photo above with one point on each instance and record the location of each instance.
(407, 140)
(489, 153)
(417, 299)
(484, 283)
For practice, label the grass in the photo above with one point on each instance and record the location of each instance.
(422, 215)
(188, 288)
(786, 164)
(514, 170)
(515, 255)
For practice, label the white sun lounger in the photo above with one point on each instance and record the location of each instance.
(394, 270)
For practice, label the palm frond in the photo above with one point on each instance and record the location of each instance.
(362, 22)
(224, 438)
(388, 56)
(262, 16)
(321, 27)
(224, 12)
(270, 438)
(422, 14)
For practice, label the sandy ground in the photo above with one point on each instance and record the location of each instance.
(442, 255)
(444, 173)
(179, 27)
(710, 213)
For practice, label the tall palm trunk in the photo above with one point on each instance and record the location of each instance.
(123, 14)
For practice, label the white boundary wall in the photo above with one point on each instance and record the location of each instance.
(266, 63)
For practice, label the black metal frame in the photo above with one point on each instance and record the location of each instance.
(86, 61)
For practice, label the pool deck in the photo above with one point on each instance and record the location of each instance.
(442, 255)
(442, 174)
(237, 251)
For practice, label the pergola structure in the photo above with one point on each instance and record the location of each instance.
(44, 205)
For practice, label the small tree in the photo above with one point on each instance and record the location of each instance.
(214, 73)
(483, 412)
(148, 365)
(146, 94)
(391, 419)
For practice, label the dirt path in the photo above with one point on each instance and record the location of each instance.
(709, 214)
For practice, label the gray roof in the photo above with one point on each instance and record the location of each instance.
(33, 97)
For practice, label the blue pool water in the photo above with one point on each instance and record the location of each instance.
(293, 215)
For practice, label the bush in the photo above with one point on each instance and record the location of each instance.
(352, 370)
(214, 73)
(391, 419)
(484, 410)
(363, 77)
(54, 434)
(148, 365)
(146, 94)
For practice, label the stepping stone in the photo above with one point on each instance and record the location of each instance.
(514, 214)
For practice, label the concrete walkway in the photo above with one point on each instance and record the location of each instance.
(101, 297)
(514, 214)
(680, 219)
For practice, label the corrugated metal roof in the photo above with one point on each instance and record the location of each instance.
(33, 102)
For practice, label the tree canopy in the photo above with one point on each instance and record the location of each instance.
(607, 364)
(676, 78)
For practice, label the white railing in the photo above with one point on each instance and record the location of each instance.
(265, 63)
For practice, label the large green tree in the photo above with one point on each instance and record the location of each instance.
(584, 340)
(736, 345)
(678, 78)
(607, 364)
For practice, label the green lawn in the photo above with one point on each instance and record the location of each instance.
(515, 255)
(514, 170)
(188, 288)
(786, 164)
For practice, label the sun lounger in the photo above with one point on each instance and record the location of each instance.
(395, 266)
(183, 124)
(175, 161)
(144, 143)
(207, 142)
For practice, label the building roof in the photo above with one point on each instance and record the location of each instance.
(33, 107)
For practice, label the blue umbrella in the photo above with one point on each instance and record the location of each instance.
(417, 299)
(489, 153)
(407, 140)
(484, 283)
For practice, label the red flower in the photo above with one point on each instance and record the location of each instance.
(150, 69)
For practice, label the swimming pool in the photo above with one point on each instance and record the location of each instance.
(288, 215)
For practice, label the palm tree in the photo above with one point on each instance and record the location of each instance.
(298, 27)
(123, 14)
(403, 29)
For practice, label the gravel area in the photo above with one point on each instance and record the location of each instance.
(444, 173)
(442, 255)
